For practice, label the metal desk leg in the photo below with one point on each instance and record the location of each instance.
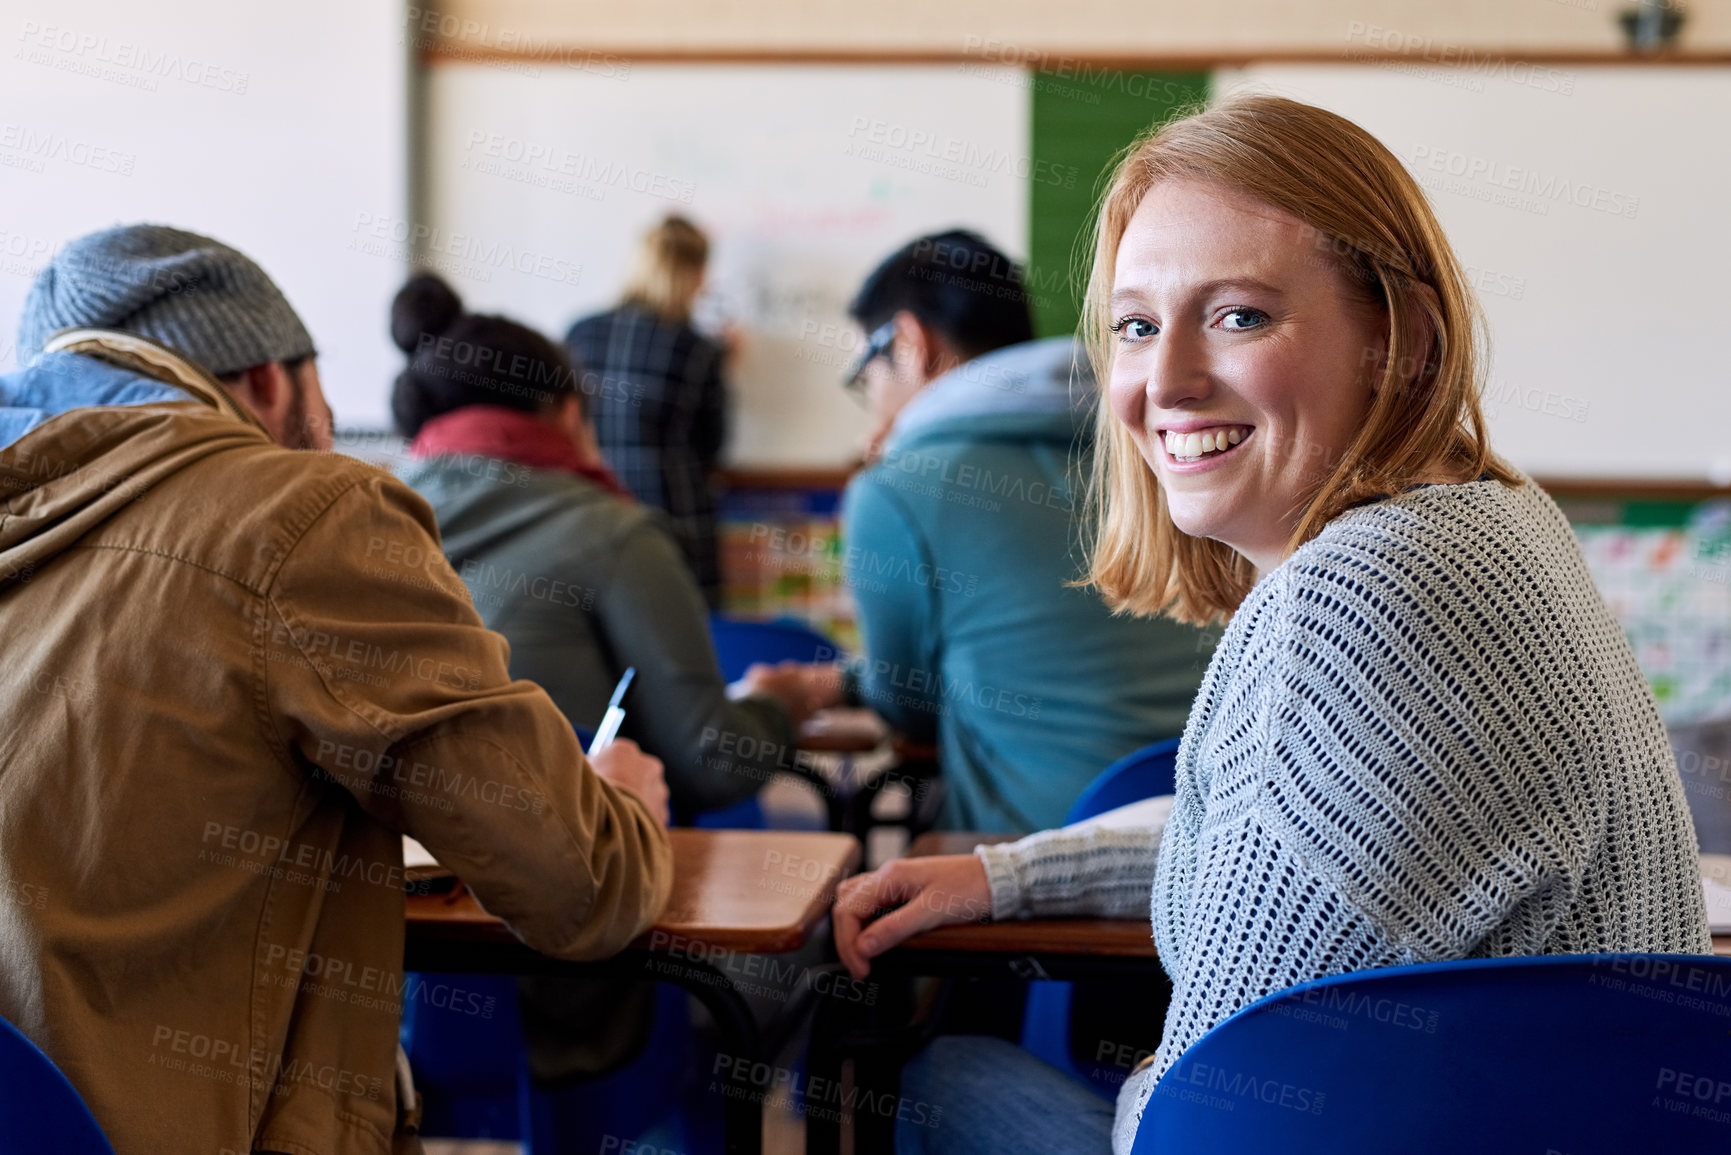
(742, 1113)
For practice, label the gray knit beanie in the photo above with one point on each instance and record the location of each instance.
(202, 299)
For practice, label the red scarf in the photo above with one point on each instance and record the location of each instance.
(509, 435)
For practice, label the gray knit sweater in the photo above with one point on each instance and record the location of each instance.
(1422, 737)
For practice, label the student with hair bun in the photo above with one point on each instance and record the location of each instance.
(580, 578)
(583, 581)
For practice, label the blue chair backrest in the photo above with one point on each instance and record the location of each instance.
(39, 1109)
(1149, 771)
(1575, 1054)
(1046, 1020)
(465, 1042)
(739, 644)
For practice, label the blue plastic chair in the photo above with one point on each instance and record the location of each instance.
(1581, 1054)
(1146, 773)
(738, 646)
(465, 1044)
(39, 1109)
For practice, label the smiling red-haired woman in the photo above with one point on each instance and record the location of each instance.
(1422, 737)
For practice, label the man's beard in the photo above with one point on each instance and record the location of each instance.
(295, 421)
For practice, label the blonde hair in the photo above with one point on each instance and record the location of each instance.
(1371, 221)
(668, 270)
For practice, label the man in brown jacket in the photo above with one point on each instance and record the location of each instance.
(219, 711)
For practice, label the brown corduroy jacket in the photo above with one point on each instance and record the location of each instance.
(233, 676)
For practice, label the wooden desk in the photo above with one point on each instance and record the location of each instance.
(843, 731)
(754, 891)
(1029, 940)
(850, 730)
(848, 791)
(749, 891)
(1093, 935)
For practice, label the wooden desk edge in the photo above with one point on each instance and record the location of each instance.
(946, 937)
(435, 918)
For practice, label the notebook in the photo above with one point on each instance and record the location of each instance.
(1716, 881)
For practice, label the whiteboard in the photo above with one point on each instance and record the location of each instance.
(1590, 205)
(272, 135)
(542, 178)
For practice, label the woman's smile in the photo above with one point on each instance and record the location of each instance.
(1193, 448)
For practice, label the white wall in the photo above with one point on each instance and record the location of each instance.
(805, 177)
(1608, 317)
(271, 128)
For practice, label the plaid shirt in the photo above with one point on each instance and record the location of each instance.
(660, 412)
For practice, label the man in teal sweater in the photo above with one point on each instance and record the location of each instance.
(961, 539)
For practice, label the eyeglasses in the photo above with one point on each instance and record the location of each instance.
(876, 345)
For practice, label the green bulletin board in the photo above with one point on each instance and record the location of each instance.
(1082, 119)
(1664, 568)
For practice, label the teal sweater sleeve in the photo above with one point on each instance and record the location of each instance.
(884, 555)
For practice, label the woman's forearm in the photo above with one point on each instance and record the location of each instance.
(1101, 871)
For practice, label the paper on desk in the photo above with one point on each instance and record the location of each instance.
(418, 861)
(1716, 881)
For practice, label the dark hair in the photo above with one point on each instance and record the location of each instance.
(957, 284)
(458, 358)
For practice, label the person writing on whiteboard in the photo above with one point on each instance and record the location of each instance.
(959, 549)
(1422, 737)
(656, 393)
(227, 696)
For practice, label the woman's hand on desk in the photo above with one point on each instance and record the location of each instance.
(624, 764)
(880, 910)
